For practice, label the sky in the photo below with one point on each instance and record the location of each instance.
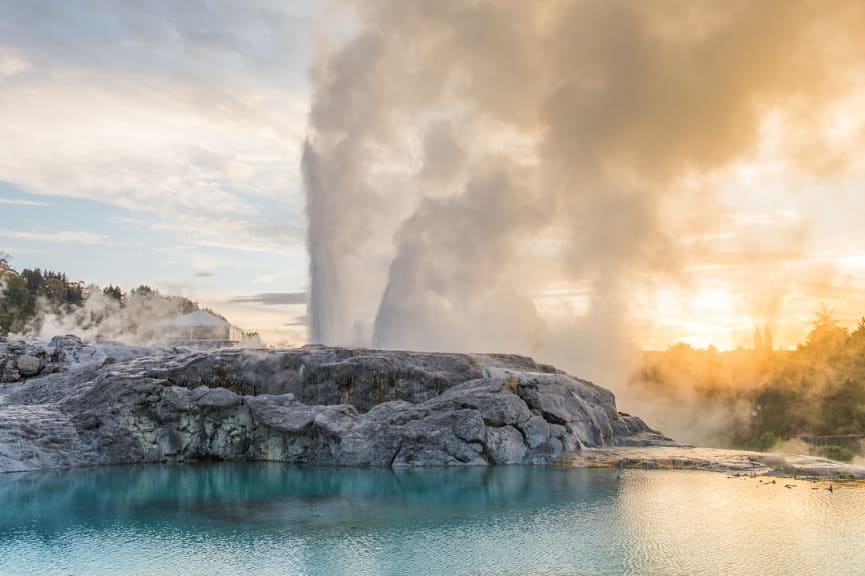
(159, 144)
(162, 143)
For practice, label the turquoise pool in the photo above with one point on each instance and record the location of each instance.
(269, 518)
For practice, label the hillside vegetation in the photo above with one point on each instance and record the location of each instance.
(755, 397)
(34, 298)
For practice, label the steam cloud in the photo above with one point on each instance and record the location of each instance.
(463, 156)
(102, 318)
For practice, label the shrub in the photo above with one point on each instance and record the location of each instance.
(764, 442)
(835, 452)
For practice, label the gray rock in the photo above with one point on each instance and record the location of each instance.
(214, 397)
(557, 430)
(505, 445)
(16, 346)
(9, 372)
(68, 341)
(470, 427)
(536, 431)
(28, 365)
(489, 397)
(315, 405)
(20, 359)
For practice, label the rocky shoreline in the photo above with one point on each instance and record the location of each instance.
(733, 462)
(65, 403)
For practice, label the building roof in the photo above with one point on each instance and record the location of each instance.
(197, 318)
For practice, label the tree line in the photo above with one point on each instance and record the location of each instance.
(28, 296)
(752, 398)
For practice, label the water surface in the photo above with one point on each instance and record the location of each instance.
(268, 518)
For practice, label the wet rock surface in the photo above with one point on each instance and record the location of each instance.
(737, 462)
(87, 405)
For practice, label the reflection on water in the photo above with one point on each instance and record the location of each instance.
(275, 519)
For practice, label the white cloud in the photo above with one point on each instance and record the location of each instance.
(269, 278)
(14, 202)
(186, 152)
(208, 128)
(56, 236)
(12, 64)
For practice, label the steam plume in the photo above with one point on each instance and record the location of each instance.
(464, 155)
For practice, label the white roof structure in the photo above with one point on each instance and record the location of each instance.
(201, 328)
(197, 318)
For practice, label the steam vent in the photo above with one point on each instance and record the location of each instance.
(70, 404)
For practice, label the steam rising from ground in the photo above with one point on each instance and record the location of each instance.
(464, 157)
(102, 318)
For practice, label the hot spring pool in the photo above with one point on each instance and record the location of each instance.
(265, 519)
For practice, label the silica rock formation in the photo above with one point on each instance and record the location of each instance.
(70, 404)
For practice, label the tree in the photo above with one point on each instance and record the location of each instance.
(842, 408)
(856, 342)
(75, 294)
(27, 297)
(54, 289)
(143, 290)
(34, 278)
(780, 409)
(113, 292)
(17, 305)
(827, 339)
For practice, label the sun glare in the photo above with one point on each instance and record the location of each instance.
(713, 302)
(699, 316)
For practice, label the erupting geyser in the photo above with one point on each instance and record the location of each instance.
(463, 156)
